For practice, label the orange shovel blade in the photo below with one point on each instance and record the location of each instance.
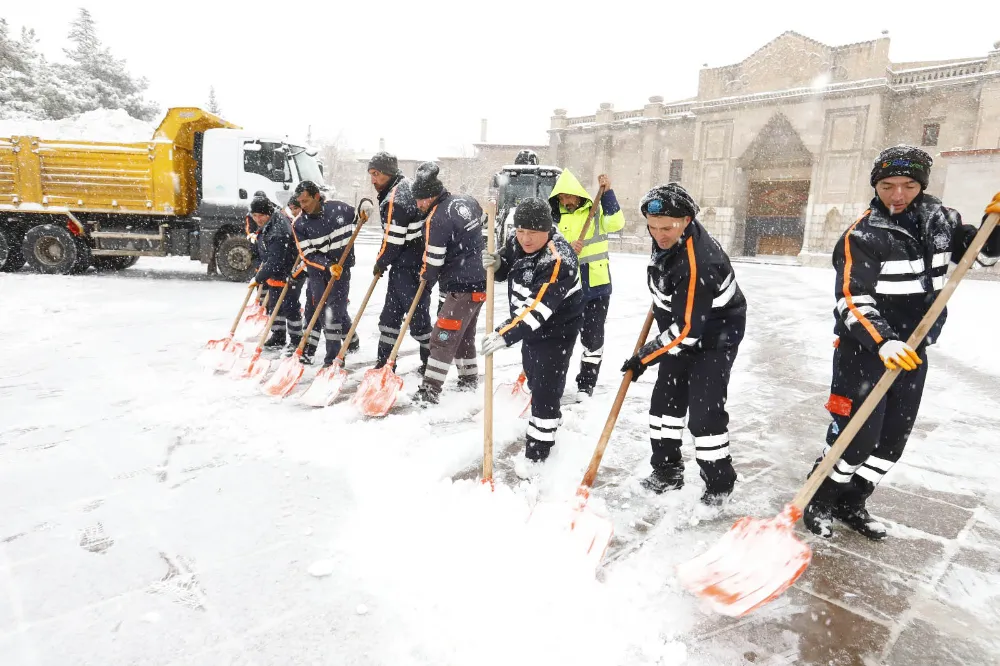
(378, 391)
(250, 367)
(251, 327)
(220, 355)
(512, 398)
(578, 529)
(325, 386)
(752, 564)
(286, 376)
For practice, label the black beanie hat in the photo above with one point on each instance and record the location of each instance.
(903, 160)
(534, 214)
(670, 200)
(384, 162)
(425, 183)
(262, 205)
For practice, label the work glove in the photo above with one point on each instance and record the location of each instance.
(336, 271)
(377, 271)
(491, 260)
(491, 342)
(636, 365)
(897, 354)
(994, 206)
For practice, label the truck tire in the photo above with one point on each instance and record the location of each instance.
(51, 249)
(84, 259)
(11, 258)
(114, 263)
(234, 259)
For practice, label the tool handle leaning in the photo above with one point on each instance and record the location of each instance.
(593, 212)
(239, 315)
(609, 425)
(406, 324)
(359, 222)
(357, 319)
(488, 391)
(868, 406)
(277, 307)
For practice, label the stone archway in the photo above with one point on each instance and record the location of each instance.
(777, 167)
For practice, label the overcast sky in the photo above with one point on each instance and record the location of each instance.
(422, 74)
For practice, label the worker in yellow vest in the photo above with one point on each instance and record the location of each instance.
(570, 207)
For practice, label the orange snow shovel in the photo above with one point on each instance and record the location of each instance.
(589, 532)
(758, 559)
(288, 373)
(221, 354)
(328, 381)
(253, 322)
(380, 387)
(513, 397)
(253, 366)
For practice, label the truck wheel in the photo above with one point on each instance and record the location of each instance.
(114, 263)
(50, 249)
(84, 258)
(234, 259)
(11, 258)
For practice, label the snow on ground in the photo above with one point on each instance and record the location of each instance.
(154, 513)
(102, 125)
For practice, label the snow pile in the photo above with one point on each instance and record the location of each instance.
(111, 126)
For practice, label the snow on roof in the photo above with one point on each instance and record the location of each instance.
(103, 125)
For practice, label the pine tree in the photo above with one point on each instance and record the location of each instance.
(18, 92)
(101, 81)
(213, 102)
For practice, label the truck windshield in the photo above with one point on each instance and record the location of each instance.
(307, 166)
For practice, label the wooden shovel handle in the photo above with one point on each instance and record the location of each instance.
(593, 212)
(868, 406)
(357, 319)
(609, 425)
(406, 324)
(239, 315)
(277, 307)
(358, 223)
(488, 392)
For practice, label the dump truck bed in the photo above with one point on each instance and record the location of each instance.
(155, 177)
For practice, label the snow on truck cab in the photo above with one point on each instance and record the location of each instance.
(67, 205)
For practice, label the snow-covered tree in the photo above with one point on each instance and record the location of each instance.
(213, 102)
(99, 80)
(32, 87)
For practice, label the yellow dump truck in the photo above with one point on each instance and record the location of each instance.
(68, 205)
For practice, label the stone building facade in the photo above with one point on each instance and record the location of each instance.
(778, 148)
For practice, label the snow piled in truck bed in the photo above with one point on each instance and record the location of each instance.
(110, 126)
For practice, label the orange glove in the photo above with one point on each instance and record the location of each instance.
(994, 206)
(336, 271)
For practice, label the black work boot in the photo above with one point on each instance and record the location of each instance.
(818, 518)
(468, 383)
(720, 478)
(307, 354)
(853, 513)
(277, 339)
(669, 476)
(355, 344)
(426, 396)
